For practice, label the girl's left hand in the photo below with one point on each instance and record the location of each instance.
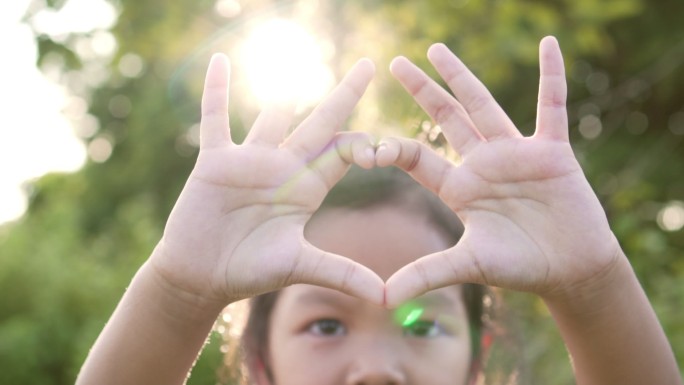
(532, 222)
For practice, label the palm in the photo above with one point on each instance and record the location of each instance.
(515, 214)
(237, 228)
(238, 210)
(529, 214)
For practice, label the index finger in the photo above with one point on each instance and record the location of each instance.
(319, 128)
(418, 160)
(490, 119)
(456, 125)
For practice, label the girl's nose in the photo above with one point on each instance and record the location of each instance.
(378, 362)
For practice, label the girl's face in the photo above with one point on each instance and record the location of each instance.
(323, 337)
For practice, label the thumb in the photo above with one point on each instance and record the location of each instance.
(433, 271)
(322, 268)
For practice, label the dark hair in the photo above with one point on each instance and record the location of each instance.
(357, 190)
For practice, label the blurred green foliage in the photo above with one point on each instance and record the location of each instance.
(66, 263)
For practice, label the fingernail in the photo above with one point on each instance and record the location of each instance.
(370, 153)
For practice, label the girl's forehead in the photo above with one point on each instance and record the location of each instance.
(383, 238)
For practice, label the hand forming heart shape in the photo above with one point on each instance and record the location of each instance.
(530, 216)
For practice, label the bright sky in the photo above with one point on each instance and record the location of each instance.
(35, 138)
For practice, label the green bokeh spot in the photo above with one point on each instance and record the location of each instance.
(412, 317)
(408, 314)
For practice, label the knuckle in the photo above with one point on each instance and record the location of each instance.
(477, 103)
(445, 113)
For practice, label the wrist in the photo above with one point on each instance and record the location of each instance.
(612, 332)
(155, 333)
(176, 304)
(609, 288)
(589, 276)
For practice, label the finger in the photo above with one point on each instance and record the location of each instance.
(339, 273)
(271, 125)
(356, 148)
(552, 116)
(346, 148)
(484, 111)
(421, 162)
(318, 129)
(445, 268)
(446, 111)
(214, 127)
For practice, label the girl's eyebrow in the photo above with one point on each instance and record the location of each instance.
(432, 300)
(323, 298)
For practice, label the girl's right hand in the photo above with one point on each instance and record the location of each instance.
(237, 229)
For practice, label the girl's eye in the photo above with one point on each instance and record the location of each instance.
(327, 328)
(423, 329)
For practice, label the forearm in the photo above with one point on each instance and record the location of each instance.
(613, 334)
(153, 337)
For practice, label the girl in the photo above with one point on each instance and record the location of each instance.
(531, 220)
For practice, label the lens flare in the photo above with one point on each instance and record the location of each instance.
(408, 314)
(412, 317)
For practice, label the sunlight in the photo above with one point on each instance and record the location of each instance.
(284, 62)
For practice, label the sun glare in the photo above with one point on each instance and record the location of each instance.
(282, 62)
